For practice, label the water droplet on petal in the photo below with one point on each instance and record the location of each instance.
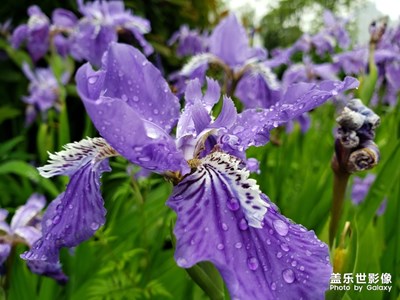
(238, 129)
(243, 224)
(70, 206)
(273, 286)
(288, 275)
(224, 227)
(238, 245)
(252, 263)
(93, 79)
(135, 98)
(285, 247)
(268, 242)
(124, 97)
(308, 253)
(301, 268)
(220, 246)
(182, 262)
(56, 219)
(279, 255)
(233, 204)
(281, 227)
(294, 263)
(94, 226)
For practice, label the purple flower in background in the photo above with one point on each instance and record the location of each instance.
(361, 187)
(35, 34)
(25, 228)
(359, 192)
(190, 42)
(223, 217)
(24, 225)
(102, 22)
(228, 46)
(336, 27)
(43, 90)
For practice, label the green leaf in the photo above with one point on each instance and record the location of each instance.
(7, 112)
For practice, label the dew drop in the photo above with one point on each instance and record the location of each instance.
(334, 92)
(124, 97)
(43, 257)
(279, 255)
(192, 242)
(93, 79)
(285, 247)
(327, 258)
(94, 226)
(273, 286)
(233, 204)
(268, 242)
(135, 98)
(294, 263)
(301, 268)
(252, 263)
(56, 219)
(224, 227)
(182, 262)
(288, 275)
(238, 245)
(308, 253)
(155, 111)
(220, 246)
(206, 229)
(243, 224)
(281, 227)
(238, 129)
(70, 206)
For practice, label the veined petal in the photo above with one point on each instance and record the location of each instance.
(27, 212)
(253, 125)
(130, 77)
(73, 217)
(276, 259)
(50, 269)
(75, 156)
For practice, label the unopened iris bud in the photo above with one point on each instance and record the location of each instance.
(377, 29)
(365, 158)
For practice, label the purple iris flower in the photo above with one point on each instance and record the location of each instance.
(102, 22)
(25, 228)
(223, 217)
(35, 34)
(228, 46)
(43, 90)
(190, 42)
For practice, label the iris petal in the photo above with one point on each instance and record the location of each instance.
(253, 125)
(279, 260)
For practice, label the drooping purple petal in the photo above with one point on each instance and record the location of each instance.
(27, 212)
(253, 125)
(50, 269)
(275, 260)
(64, 19)
(72, 217)
(19, 35)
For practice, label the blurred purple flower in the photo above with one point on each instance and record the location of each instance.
(43, 90)
(25, 228)
(100, 26)
(223, 217)
(35, 33)
(190, 42)
(361, 187)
